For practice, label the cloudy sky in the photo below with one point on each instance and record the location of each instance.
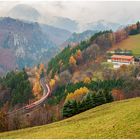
(82, 11)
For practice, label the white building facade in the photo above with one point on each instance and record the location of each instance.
(119, 60)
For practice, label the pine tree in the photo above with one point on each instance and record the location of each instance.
(100, 98)
(138, 26)
(88, 101)
(108, 96)
(93, 99)
(81, 106)
(66, 110)
(70, 108)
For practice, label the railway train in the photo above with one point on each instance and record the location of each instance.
(39, 101)
(29, 107)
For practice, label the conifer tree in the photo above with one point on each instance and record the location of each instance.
(100, 98)
(70, 108)
(88, 101)
(108, 96)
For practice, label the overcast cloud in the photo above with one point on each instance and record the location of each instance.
(82, 11)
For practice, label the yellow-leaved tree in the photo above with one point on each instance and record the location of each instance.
(78, 57)
(52, 83)
(87, 80)
(36, 88)
(78, 94)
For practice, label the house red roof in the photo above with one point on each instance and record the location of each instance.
(122, 56)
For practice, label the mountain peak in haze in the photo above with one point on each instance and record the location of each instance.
(28, 13)
(25, 12)
(102, 25)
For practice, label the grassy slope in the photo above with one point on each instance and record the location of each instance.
(114, 120)
(131, 43)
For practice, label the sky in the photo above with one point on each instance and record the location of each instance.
(84, 11)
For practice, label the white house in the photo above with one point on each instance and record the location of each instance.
(119, 60)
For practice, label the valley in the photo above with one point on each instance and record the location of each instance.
(69, 70)
(79, 78)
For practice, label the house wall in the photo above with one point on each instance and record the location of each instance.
(119, 62)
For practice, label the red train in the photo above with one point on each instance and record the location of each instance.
(27, 107)
(39, 101)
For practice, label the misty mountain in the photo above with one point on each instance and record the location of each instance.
(78, 37)
(28, 13)
(24, 12)
(64, 23)
(23, 44)
(56, 35)
(102, 25)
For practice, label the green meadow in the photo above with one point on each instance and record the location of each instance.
(119, 119)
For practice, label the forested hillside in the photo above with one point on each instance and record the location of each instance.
(80, 74)
(100, 41)
(92, 48)
(18, 88)
(79, 77)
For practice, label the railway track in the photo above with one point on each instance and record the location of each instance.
(28, 108)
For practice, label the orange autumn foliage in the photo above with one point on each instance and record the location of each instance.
(118, 94)
(37, 76)
(72, 60)
(78, 57)
(41, 68)
(79, 54)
